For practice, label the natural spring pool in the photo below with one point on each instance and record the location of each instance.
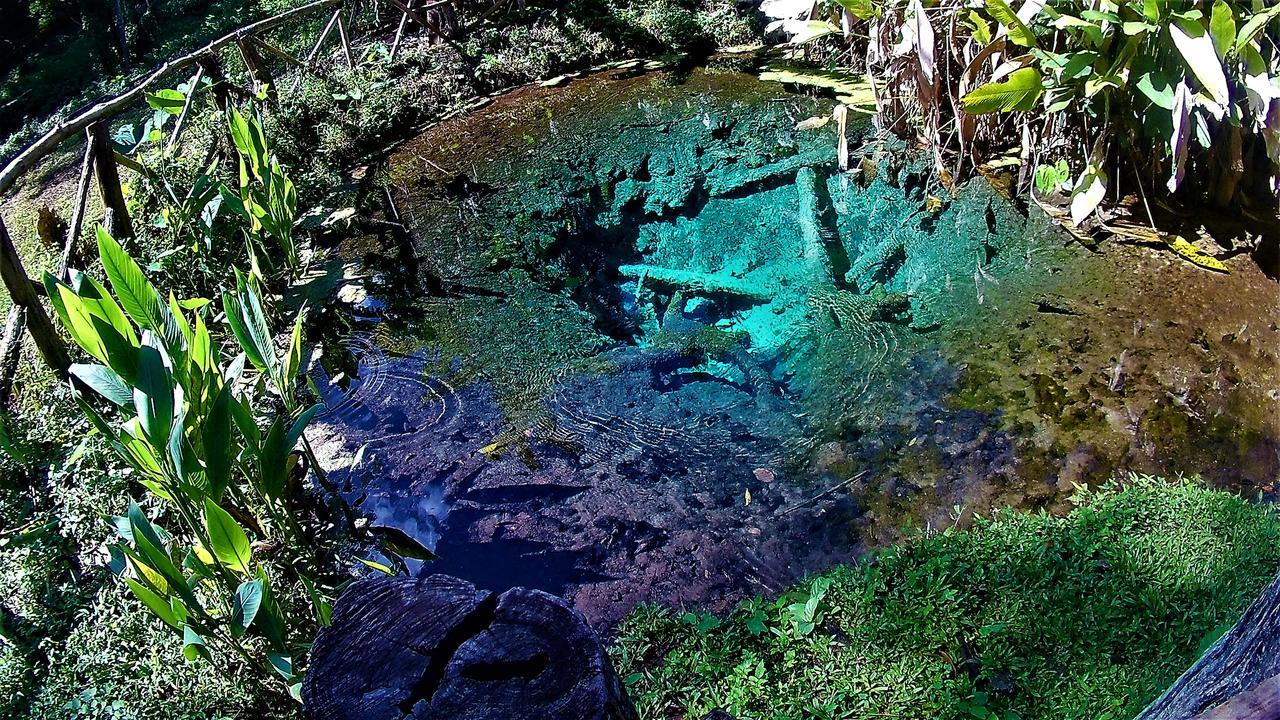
(649, 343)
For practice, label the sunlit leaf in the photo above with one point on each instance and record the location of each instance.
(1021, 91)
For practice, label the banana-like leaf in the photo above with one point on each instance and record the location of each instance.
(1019, 92)
(137, 295)
(227, 540)
(153, 393)
(1196, 48)
(100, 304)
(273, 460)
(1019, 33)
(104, 381)
(154, 602)
(245, 606)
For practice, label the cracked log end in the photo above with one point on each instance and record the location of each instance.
(436, 647)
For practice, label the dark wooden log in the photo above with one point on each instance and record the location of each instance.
(104, 166)
(1260, 703)
(436, 647)
(254, 64)
(1242, 659)
(46, 338)
(11, 351)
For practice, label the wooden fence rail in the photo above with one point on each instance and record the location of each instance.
(102, 162)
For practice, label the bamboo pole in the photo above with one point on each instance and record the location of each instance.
(324, 34)
(404, 20)
(47, 143)
(14, 276)
(186, 108)
(346, 41)
(253, 63)
(104, 161)
(77, 215)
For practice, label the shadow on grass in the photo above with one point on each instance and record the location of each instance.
(1021, 616)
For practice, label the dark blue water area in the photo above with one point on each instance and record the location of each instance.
(652, 482)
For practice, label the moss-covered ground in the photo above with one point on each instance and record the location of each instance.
(1021, 615)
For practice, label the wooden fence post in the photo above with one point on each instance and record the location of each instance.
(212, 67)
(254, 64)
(77, 218)
(104, 164)
(46, 337)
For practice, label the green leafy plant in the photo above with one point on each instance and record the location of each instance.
(190, 428)
(265, 197)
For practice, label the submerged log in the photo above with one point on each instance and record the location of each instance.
(438, 648)
(1237, 673)
(694, 282)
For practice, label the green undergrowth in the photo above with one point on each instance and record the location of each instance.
(1085, 616)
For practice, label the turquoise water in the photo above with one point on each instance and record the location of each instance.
(651, 343)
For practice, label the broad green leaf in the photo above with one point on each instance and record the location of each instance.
(100, 304)
(1020, 92)
(1157, 88)
(1019, 33)
(76, 319)
(167, 100)
(299, 425)
(220, 448)
(860, 9)
(1255, 25)
(1088, 193)
(244, 606)
(981, 28)
(153, 394)
(226, 538)
(270, 622)
(273, 460)
(104, 381)
(154, 602)
(193, 646)
(1196, 48)
(137, 295)
(1222, 28)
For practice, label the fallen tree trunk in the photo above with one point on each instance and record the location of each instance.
(1239, 671)
(438, 648)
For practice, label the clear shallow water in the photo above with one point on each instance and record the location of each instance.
(652, 345)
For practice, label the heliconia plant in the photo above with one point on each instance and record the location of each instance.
(266, 197)
(1150, 86)
(187, 421)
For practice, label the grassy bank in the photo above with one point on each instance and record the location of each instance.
(1021, 616)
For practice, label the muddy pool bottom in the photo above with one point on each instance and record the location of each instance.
(651, 344)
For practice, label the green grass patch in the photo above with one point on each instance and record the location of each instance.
(1085, 616)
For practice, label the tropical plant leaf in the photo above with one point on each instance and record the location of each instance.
(1019, 33)
(244, 606)
(226, 538)
(1088, 194)
(104, 381)
(1196, 48)
(1255, 25)
(1222, 28)
(1020, 92)
(193, 645)
(154, 602)
(137, 295)
(220, 447)
(153, 393)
